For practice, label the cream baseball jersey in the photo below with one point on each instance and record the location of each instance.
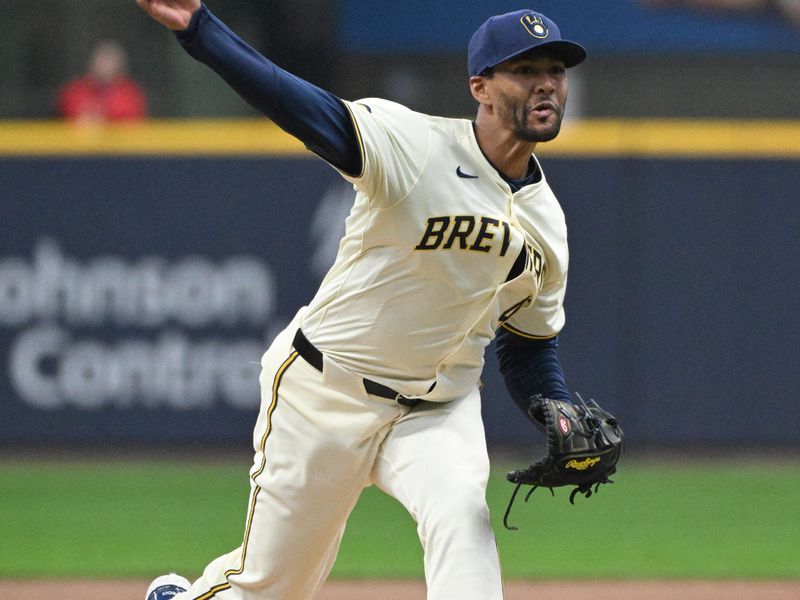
(438, 253)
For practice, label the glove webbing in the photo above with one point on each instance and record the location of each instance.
(584, 488)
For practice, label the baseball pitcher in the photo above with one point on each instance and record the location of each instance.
(454, 238)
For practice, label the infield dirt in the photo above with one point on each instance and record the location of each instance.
(414, 590)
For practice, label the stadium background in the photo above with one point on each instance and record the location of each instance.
(143, 268)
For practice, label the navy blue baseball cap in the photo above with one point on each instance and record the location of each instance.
(506, 36)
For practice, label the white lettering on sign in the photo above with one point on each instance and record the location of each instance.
(148, 313)
(50, 370)
(192, 291)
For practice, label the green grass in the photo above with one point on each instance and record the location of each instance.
(136, 519)
(662, 521)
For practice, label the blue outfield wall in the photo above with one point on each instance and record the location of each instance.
(605, 29)
(137, 294)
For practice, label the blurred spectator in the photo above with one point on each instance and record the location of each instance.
(105, 92)
(789, 9)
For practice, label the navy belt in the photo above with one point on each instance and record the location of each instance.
(312, 356)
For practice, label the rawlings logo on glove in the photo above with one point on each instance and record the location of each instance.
(582, 465)
(584, 443)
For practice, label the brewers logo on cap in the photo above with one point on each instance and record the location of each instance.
(534, 25)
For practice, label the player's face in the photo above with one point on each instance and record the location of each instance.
(529, 95)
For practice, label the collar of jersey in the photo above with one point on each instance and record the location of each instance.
(530, 181)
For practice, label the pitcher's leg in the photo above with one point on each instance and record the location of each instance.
(434, 461)
(310, 467)
(224, 569)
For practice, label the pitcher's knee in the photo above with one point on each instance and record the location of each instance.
(456, 516)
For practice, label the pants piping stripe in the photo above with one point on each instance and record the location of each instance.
(257, 489)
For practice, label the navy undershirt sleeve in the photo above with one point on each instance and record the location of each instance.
(316, 117)
(531, 367)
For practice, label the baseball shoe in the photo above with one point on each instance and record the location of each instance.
(166, 587)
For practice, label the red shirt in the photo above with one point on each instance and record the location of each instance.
(122, 99)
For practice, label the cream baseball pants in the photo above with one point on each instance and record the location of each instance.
(317, 447)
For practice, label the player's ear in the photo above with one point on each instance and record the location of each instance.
(477, 85)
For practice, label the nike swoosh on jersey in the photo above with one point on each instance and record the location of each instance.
(463, 175)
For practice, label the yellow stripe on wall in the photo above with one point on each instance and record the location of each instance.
(212, 137)
(591, 137)
(677, 138)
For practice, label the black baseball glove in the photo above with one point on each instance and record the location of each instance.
(584, 443)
